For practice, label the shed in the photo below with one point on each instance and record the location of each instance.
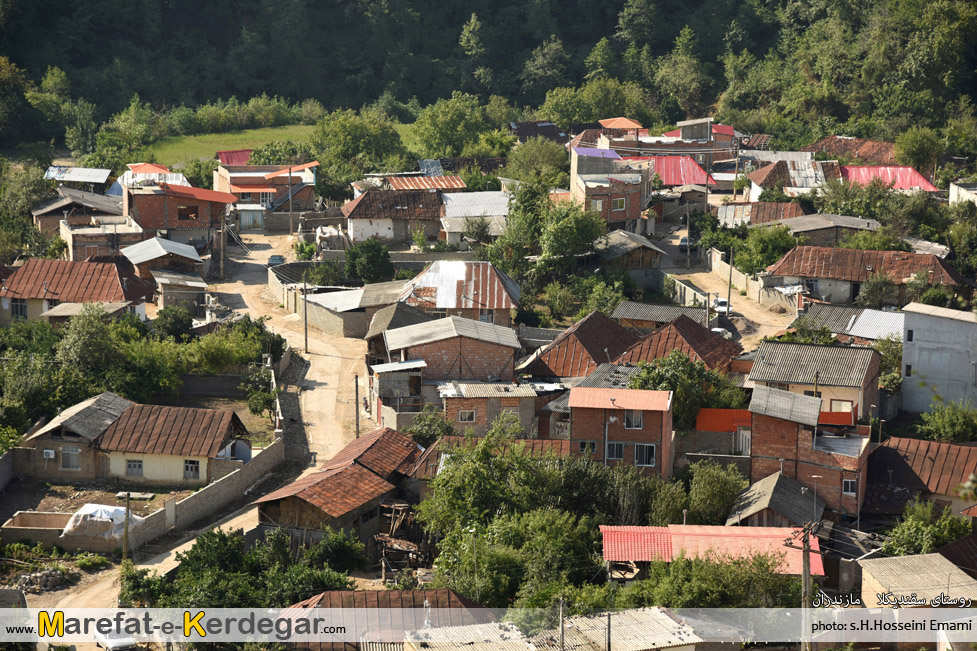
(776, 501)
(626, 250)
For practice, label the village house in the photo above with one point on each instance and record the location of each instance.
(471, 289)
(109, 437)
(616, 196)
(851, 325)
(594, 339)
(776, 501)
(455, 348)
(92, 179)
(75, 207)
(914, 577)
(40, 285)
(348, 313)
(785, 437)
(689, 337)
(848, 148)
(823, 229)
(393, 215)
(105, 235)
(645, 317)
(624, 426)
(396, 393)
(260, 189)
(623, 251)
(182, 213)
(845, 377)
(836, 275)
(629, 550)
(733, 214)
(793, 177)
(899, 177)
(554, 416)
(461, 207)
(175, 268)
(473, 407)
(963, 192)
(672, 171)
(398, 315)
(939, 354)
(695, 138)
(145, 174)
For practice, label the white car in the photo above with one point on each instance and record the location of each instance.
(115, 641)
(726, 334)
(721, 306)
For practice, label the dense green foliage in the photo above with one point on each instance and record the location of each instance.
(950, 422)
(429, 426)
(369, 261)
(923, 529)
(890, 361)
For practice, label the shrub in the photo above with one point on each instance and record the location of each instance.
(304, 250)
(90, 562)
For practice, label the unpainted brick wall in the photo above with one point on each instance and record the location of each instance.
(460, 358)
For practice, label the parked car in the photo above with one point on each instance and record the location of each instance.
(115, 641)
(726, 334)
(721, 306)
(685, 244)
(276, 260)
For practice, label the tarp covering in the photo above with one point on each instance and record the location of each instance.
(100, 521)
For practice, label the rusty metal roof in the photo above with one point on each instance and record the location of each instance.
(828, 366)
(178, 431)
(461, 284)
(594, 339)
(878, 152)
(426, 182)
(938, 468)
(335, 492)
(685, 335)
(74, 282)
(796, 174)
(856, 265)
(383, 451)
(397, 205)
(962, 553)
(756, 212)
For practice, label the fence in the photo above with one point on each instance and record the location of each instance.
(756, 289)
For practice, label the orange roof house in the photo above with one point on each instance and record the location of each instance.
(576, 352)
(688, 336)
(620, 123)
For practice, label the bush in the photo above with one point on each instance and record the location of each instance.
(304, 250)
(91, 562)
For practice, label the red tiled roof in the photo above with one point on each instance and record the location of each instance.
(427, 465)
(970, 512)
(578, 350)
(871, 151)
(234, 156)
(397, 205)
(74, 282)
(178, 431)
(426, 182)
(962, 553)
(676, 170)
(200, 194)
(384, 451)
(291, 169)
(335, 492)
(148, 168)
(620, 123)
(938, 468)
(610, 398)
(722, 420)
(623, 544)
(685, 335)
(856, 265)
(900, 177)
(461, 284)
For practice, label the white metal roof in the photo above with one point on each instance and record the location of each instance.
(77, 174)
(492, 203)
(496, 224)
(399, 366)
(485, 390)
(166, 277)
(447, 328)
(795, 407)
(157, 248)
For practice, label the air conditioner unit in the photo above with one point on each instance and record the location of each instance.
(49, 454)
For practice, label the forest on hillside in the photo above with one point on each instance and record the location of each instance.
(797, 69)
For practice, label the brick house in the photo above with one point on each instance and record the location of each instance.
(76, 206)
(624, 426)
(795, 177)
(785, 437)
(99, 236)
(615, 196)
(687, 336)
(176, 270)
(456, 348)
(393, 215)
(262, 188)
(823, 229)
(577, 351)
(474, 407)
(470, 289)
(186, 214)
(845, 377)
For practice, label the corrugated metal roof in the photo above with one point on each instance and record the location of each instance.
(606, 398)
(89, 418)
(490, 203)
(167, 277)
(932, 466)
(461, 284)
(594, 339)
(178, 431)
(426, 182)
(656, 313)
(477, 637)
(397, 205)
(370, 295)
(757, 212)
(594, 152)
(496, 225)
(619, 242)
(796, 174)
(64, 310)
(485, 390)
(394, 367)
(781, 494)
(793, 407)
(925, 575)
(872, 151)
(685, 335)
(641, 629)
(394, 316)
(157, 248)
(73, 282)
(675, 170)
(821, 221)
(447, 328)
(234, 156)
(926, 247)
(900, 177)
(613, 376)
(856, 265)
(877, 324)
(836, 318)
(622, 544)
(77, 174)
(962, 553)
(70, 196)
(829, 366)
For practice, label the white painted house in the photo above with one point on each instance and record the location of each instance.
(939, 356)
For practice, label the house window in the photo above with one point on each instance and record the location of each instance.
(615, 451)
(18, 308)
(133, 467)
(633, 419)
(245, 197)
(909, 370)
(619, 204)
(596, 205)
(813, 394)
(849, 486)
(783, 386)
(91, 250)
(70, 457)
(191, 469)
(466, 416)
(266, 197)
(486, 316)
(588, 447)
(811, 285)
(842, 405)
(909, 335)
(186, 212)
(438, 314)
(644, 454)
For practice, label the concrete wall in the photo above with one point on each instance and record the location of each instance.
(943, 355)
(157, 469)
(343, 324)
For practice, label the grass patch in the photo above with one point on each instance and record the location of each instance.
(170, 151)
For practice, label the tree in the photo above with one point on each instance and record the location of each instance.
(806, 332)
(881, 240)
(668, 504)
(877, 291)
(17, 117)
(545, 68)
(429, 426)
(447, 126)
(919, 147)
(348, 144)
(922, 530)
(602, 61)
(200, 172)
(890, 361)
(569, 232)
(87, 345)
(325, 273)
(477, 229)
(539, 158)
(681, 75)
(950, 422)
(173, 322)
(763, 247)
(713, 491)
(370, 261)
(282, 152)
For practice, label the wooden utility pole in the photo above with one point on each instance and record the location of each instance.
(561, 624)
(608, 630)
(305, 310)
(356, 399)
(806, 586)
(688, 240)
(125, 532)
(729, 294)
(291, 227)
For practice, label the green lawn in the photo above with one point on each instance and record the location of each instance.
(171, 151)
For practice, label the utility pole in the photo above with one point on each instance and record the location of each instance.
(806, 587)
(608, 630)
(356, 399)
(305, 309)
(125, 532)
(291, 227)
(561, 624)
(729, 294)
(688, 240)
(223, 243)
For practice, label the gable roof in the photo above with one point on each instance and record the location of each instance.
(608, 398)
(523, 131)
(406, 205)
(384, 451)
(371, 295)
(828, 366)
(781, 494)
(756, 212)
(675, 170)
(429, 463)
(793, 407)
(148, 168)
(878, 152)
(917, 464)
(620, 123)
(856, 265)
(900, 177)
(594, 339)
(398, 315)
(685, 335)
(624, 543)
(449, 328)
(180, 431)
(74, 282)
(820, 221)
(620, 242)
(462, 284)
(77, 174)
(853, 321)
(796, 174)
(925, 576)
(70, 196)
(420, 182)
(336, 491)
(89, 418)
(234, 156)
(158, 247)
(657, 313)
(490, 203)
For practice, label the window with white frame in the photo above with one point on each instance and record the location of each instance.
(588, 447)
(619, 204)
(466, 416)
(191, 469)
(615, 451)
(18, 308)
(266, 197)
(633, 419)
(849, 486)
(133, 467)
(70, 457)
(486, 316)
(596, 205)
(644, 454)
